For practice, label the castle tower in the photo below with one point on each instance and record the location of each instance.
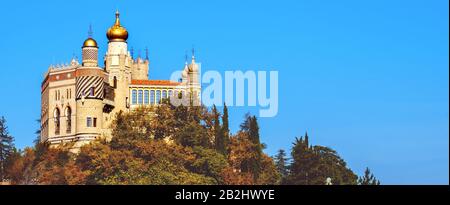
(139, 69)
(118, 63)
(89, 94)
(193, 83)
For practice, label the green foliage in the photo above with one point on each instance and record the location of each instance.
(6, 147)
(281, 165)
(312, 165)
(193, 134)
(209, 163)
(251, 128)
(174, 145)
(368, 178)
(225, 129)
(220, 138)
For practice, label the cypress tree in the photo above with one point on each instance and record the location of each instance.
(251, 127)
(218, 133)
(225, 127)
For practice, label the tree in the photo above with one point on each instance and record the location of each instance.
(281, 164)
(20, 167)
(193, 134)
(6, 147)
(225, 127)
(219, 136)
(312, 165)
(210, 163)
(269, 174)
(368, 178)
(251, 128)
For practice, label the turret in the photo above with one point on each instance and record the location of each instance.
(89, 94)
(118, 64)
(90, 53)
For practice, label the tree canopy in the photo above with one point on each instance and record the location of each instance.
(174, 145)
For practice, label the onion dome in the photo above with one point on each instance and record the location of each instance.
(90, 42)
(117, 32)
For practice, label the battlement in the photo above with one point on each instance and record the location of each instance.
(62, 67)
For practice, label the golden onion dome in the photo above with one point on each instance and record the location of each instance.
(90, 42)
(117, 32)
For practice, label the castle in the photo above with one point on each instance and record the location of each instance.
(79, 101)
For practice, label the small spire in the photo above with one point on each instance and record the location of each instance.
(185, 57)
(117, 18)
(90, 32)
(193, 55)
(146, 53)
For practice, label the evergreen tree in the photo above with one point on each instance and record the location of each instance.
(219, 138)
(251, 127)
(6, 147)
(303, 163)
(312, 165)
(225, 127)
(368, 178)
(281, 164)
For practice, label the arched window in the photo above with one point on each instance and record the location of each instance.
(57, 119)
(158, 96)
(140, 97)
(134, 97)
(164, 94)
(152, 97)
(146, 97)
(115, 82)
(69, 120)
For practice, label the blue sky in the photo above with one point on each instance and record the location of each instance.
(367, 78)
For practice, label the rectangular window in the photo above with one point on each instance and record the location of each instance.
(89, 122)
(95, 122)
(146, 97)
(134, 97)
(152, 97)
(140, 97)
(158, 96)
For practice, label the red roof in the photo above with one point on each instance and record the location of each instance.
(155, 82)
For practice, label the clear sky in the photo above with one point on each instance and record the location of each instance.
(367, 78)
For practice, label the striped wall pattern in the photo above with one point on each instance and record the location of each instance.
(85, 83)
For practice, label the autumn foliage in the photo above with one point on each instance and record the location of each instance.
(161, 145)
(168, 145)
